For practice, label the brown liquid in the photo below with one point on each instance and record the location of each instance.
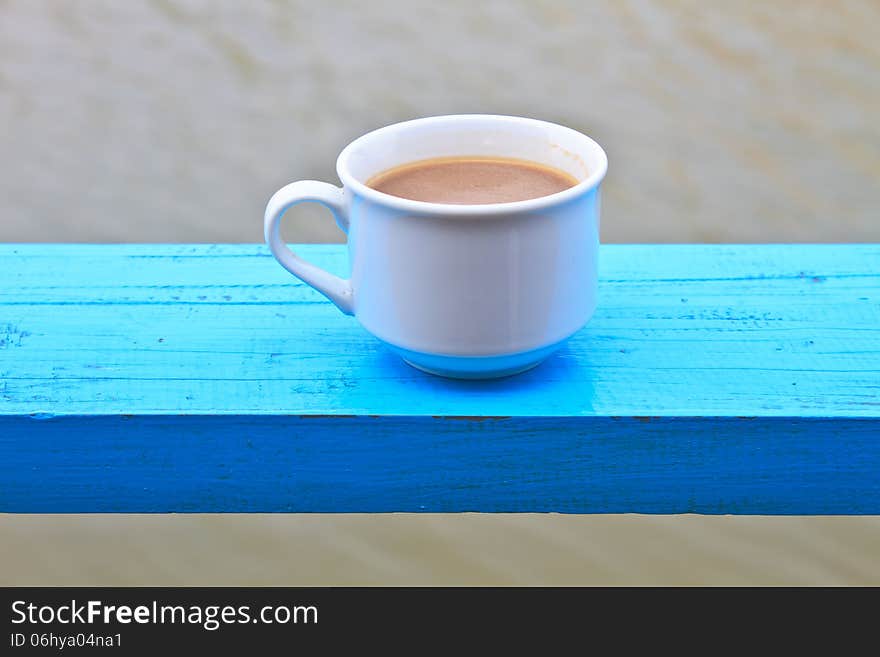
(471, 180)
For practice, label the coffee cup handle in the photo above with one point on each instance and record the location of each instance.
(338, 290)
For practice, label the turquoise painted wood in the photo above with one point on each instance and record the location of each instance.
(713, 379)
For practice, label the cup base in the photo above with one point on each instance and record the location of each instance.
(471, 374)
(475, 367)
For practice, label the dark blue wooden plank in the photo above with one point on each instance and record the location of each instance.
(362, 464)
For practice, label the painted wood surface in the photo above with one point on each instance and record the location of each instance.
(713, 379)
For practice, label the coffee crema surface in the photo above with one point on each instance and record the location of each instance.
(466, 180)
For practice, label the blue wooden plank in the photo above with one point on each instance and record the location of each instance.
(680, 330)
(133, 376)
(362, 464)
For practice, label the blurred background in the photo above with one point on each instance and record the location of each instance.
(174, 121)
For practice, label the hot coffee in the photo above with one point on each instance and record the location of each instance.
(471, 180)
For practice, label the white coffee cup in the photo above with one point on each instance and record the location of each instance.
(467, 291)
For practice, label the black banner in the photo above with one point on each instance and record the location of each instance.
(125, 621)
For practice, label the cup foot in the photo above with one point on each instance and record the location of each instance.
(472, 374)
(475, 367)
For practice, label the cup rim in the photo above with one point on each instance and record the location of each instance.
(454, 209)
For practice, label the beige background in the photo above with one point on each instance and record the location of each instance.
(465, 549)
(174, 121)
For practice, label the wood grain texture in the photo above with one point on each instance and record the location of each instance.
(388, 464)
(714, 379)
